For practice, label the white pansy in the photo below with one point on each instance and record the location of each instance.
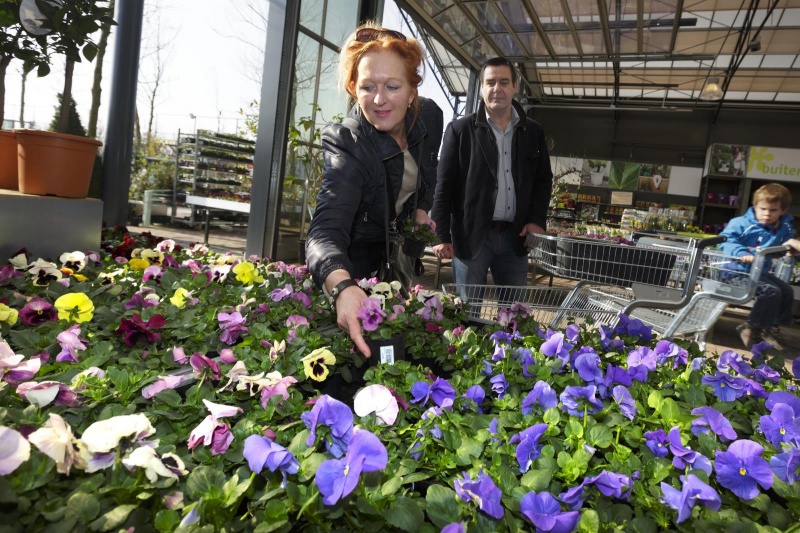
(14, 450)
(73, 260)
(378, 399)
(147, 458)
(55, 441)
(104, 436)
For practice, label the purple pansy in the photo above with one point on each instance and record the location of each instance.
(787, 465)
(70, 344)
(542, 394)
(666, 349)
(781, 425)
(726, 387)
(134, 329)
(334, 414)
(752, 388)
(796, 367)
(588, 366)
(336, 478)
(142, 300)
(476, 394)
(261, 452)
(371, 315)
(578, 401)
(232, 326)
(37, 311)
(556, 346)
(607, 340)
(633, 327)
(499, 385)
(741, 469)
(657, 442)
(528, 447)
(683, 456)
(201, 362)
(574, 497)
(711, 419)
(640, 361)
(764, 373)
(525, 356)
(730, 359)
(482, 491)
(625, 401)
(779, 396)
(612, 484)
(692, 492)
(544, 512)
(440, 391)
(572, 333)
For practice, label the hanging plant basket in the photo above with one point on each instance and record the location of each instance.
(8, 160)
(55, 163)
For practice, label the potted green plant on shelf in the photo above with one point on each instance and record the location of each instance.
(596, 174)
(56, 162)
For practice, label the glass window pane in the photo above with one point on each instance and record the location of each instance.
(340, 20)
(479, 50)
(456, 24)
(434, 7)
(592, 42)
(516, 15)
(305, 77)
(331, 101)
(311, 15)
(486, 17)
(507, 45)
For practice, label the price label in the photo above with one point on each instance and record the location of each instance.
(387, 355)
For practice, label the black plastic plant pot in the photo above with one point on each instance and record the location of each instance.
(413, 248)
(387, 351)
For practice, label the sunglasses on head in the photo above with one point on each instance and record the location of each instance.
(365, 35)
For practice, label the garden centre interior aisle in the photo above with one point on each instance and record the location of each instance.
(721, 337)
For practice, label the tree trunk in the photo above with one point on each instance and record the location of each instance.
(66, 96)
(22, 98)
(91, 130)
(4, 61)
(137, 133)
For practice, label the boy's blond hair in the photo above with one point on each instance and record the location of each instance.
(773, 192)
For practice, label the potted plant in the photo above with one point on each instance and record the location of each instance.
(416, 237)
(69, 24)
(384, 320)
(596, 174)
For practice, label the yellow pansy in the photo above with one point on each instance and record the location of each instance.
(247, 273)
(179, 298)
(138, 264)
(314, 364)
(74, 307)
(79, 277)
(8, 315)
(154, 256)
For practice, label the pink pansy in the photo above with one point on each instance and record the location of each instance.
(23, 371)
(70, 344)
(430, 326)
(200, 362)
(303, 298)
(212, 432)
(46, 392)
(55, 440)
(277, 386)
(279, 294)
(228, 320)
(227, 356)
(14, 450)
(294, 322)
(162, 383)
(379, 400)
(167, 245)
(179, 356)
(218, 410)
(8, 359)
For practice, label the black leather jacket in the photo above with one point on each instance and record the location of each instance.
(466, 186)
(351, 205)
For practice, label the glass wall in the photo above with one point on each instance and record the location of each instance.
(316, 100)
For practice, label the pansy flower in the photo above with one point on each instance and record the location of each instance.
(44, 393)
(153, 272)
(481, 490)
(499, 385)
(764, 373)
(135, 329)
(441, 391)
(43, 272)
(779, 396)
(712, 420)
(371, 314)
(657, 442)
(693, 492)
(578, 401)
(624, 400)
(726, 387)
(730, 359)
(781, 425)
(335, 415)
(200, 363)
(9, 315)
(104, 436)
(14, 450)
(315, 364)
(787, 465)
(588, 366)
(377, 399)
(247, 273)
(261, 452)
(612, 484)
(542, 395)
(168, 466)
(556, 346)
(232, 326)
(633, 327)
(142, 300)
(641, 360)
(162, 383)
(74, 307)
(475, 394)
(336, 478)
(211, 432)
(683, 456)
(276, 385)
(741, 469)
(71, 344)
(528, 448)
(55, 439)
(544, 512)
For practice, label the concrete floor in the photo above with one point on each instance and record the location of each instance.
(721, 337)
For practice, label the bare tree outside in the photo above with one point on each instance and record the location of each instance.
(154, 60)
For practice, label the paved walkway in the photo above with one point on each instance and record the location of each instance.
(721, 337)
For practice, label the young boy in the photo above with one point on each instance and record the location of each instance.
(766, 223)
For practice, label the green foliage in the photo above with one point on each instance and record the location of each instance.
(75, 126)
(624, 175)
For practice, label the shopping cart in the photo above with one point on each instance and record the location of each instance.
(677, 286)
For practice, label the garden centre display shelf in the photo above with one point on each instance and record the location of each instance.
(211, 204)
(212, 164)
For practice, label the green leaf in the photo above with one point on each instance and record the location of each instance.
(600, 436)
(234, 488)
(536, 480)
(654, 400)
(779, 517)
(469, 448)
(441, 505)
(205, 482)
(113, 518)
(670, 411)
(643, 525)
(695, 396)
(405, 514)
(82, 506)
(391, 486)
(412, 478)
(167, 520)
(552, 416)
(590, 522)
(573, 429)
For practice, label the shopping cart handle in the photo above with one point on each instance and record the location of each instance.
(769, 250)
(711, 241)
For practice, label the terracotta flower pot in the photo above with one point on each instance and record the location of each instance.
(8, 160)
(55, 163)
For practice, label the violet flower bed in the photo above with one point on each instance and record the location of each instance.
(146, 388)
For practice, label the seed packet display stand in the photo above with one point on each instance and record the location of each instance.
(677, 286)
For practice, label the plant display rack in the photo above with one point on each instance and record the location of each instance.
(215, 166)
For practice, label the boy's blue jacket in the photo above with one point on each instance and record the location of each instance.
(745, 233)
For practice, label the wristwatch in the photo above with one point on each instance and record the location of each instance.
(337, 290)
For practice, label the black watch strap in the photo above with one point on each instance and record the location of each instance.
(337, 290)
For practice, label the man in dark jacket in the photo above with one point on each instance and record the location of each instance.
(493, 184)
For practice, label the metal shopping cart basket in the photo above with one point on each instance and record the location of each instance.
(677, 286)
